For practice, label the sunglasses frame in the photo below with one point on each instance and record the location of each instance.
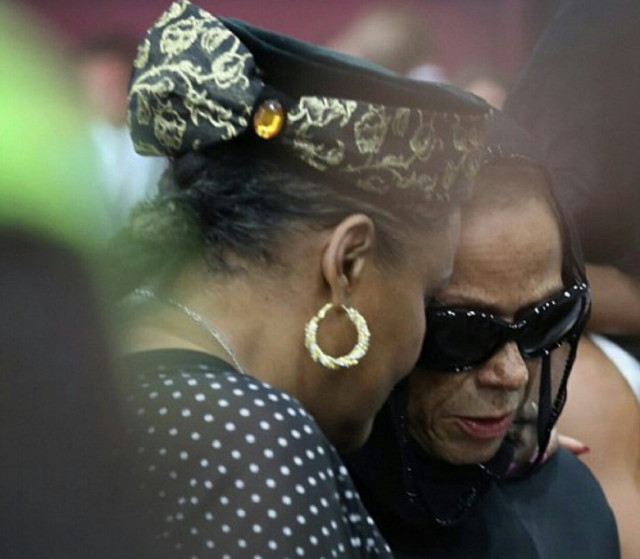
(513, 330)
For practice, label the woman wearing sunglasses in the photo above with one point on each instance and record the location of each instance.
(454, 465)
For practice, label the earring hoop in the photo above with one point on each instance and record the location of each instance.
(348, 360)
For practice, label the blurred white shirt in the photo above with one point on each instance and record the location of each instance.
(127, 178)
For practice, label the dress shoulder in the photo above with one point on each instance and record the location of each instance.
(233, 467)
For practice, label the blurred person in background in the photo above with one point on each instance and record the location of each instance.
(578, 95)
(394, 35)
(64, 491)
(104, 64)
(485, 82)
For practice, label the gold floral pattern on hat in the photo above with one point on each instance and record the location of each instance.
(192, 84)
(196, 84)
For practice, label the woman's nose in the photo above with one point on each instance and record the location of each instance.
(506, 369)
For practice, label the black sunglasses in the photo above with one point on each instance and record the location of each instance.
(459, 339)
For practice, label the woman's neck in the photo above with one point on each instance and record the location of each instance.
(262, 333)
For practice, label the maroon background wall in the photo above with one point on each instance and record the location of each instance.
(499, 33)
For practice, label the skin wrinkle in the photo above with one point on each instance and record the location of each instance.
(508, 259)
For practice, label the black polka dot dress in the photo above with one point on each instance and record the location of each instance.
(233, 468)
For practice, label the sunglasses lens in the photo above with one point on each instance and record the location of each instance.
(550, 326)
(458, 339)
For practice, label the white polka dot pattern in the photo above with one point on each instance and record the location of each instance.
(234, 468)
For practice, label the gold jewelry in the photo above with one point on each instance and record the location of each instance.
(269, 119)
(352, 358)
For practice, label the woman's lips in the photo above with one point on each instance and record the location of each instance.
(486, 427)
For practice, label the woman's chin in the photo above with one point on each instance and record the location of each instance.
(468, 454)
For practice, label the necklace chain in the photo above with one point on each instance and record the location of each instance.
(198, 319)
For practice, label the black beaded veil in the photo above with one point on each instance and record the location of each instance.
(397, 479)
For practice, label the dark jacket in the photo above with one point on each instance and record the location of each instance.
(559, 512)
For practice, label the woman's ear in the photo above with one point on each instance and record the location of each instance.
(351, 245)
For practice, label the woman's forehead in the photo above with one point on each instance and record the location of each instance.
(507, 259)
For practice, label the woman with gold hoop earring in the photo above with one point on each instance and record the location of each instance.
(276, 286)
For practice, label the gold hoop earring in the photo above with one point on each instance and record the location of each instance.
(352, 358)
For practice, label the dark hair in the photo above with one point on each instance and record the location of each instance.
(240, 203)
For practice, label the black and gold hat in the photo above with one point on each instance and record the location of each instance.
(200, 80)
